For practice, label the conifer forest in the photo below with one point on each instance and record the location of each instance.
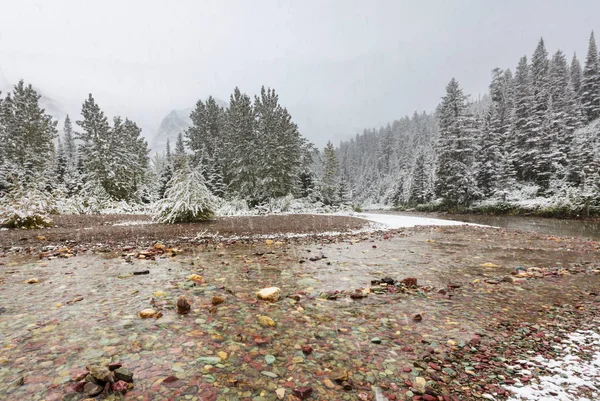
(533, 140)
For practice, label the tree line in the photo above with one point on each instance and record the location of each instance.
(251, 150)
(536, 132)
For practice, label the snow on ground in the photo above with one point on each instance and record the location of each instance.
(393, 221)
(567, 374)
(134, 223)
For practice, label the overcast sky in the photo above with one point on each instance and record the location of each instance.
(338, 66)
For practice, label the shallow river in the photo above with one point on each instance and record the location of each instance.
(558, 227)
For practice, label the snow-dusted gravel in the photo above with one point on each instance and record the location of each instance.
(569, 378)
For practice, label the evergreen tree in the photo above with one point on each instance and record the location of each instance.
(60, 164)
(187, 198)
(180, 156)
(563, 112)
(27, 137)
(454, 175)
(93, 150)
(576, 75)
(115, 159)
(419, 183)
(280, 147)
(329, 181)
(523, 143)
(206, 132)
(489, 166)
(241, 173)
(590, 84)
(540, 137)
(166, 172)
(69, 151)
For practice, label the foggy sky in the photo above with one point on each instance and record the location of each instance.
(338, 66)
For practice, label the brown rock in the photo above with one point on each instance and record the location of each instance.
(92, 389)
(101, 373)
(303, 392)
(409, 282)
(339, 374)
(307, 349)
(216, 300)
(417, 317)
(183, 306)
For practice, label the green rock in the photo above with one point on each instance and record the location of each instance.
(124, 374)
(269, 374)
(209, 360)
(270, 359)
(376, 340)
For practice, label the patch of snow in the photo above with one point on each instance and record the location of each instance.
(568, 373)
(134, 223)
(393, 221)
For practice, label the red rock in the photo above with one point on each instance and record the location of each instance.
(374, 246)
(262, 340)
(114, 365)
(78, 387)
(170, 379)
(303, 392)
(121, 387)
(80, 375)
(407, 369)
(434, 366)
(307, 349)
(428, 397)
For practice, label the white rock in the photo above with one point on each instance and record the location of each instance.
(269, 294)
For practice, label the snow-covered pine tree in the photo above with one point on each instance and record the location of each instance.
(420, 181)
(242, 162)
(585, 162)
(4, 168)
(180, 156)
(187, 198)
(136, 162)
(521, 123)
(280, 147)
(166, 172)
(71, 179)
(329, 188)
(344, 194)
(206, 132)
(93, 150)
(27, 138)
(114, 159)
(590, 84)
(488, 159)
(576, 75)
(455, 182)
(540, 139)
(60, 163)
(563, 114)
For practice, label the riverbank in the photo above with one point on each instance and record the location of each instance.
(512, 209)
